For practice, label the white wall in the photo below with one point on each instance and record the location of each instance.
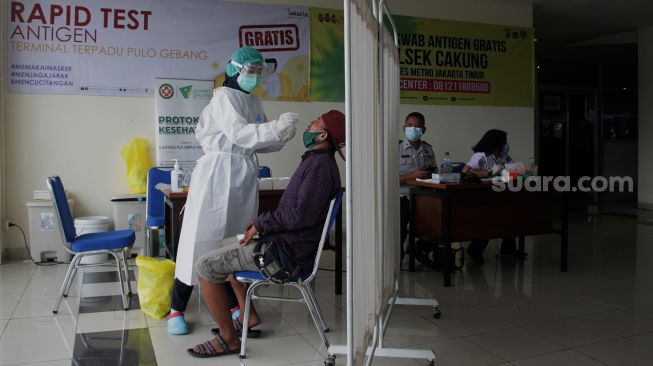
(645, 85)
(79, 138)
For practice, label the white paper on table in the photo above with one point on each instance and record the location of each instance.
(265, 184)
(280, 182)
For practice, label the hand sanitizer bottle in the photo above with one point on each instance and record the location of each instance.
(176, 178)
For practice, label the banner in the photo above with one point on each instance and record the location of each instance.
(119, 47)
(460, 63)
(327, 55)
(441, 62)
(178, 105)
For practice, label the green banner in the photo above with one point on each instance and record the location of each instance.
(443, 62)
(327, 83)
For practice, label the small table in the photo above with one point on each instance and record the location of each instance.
(454, 212)
(268, 201)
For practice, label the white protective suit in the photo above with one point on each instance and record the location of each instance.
(223, 194)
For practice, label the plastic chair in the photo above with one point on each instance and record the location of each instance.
(302, 282)
(264, 172)
(155, 204)
(116, 243)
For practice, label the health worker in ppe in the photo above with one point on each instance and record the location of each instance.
(223, 194)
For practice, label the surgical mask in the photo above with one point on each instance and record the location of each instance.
(506, 149)
(309, 139)
(247, 82)
(413, 133)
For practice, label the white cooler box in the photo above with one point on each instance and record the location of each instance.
(129, 213)
(44, 232)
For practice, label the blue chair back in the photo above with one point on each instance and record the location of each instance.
(334, 207)
(264, 172)
(155, 204)
(61, 208)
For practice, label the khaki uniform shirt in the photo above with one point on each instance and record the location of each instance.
(411, 160)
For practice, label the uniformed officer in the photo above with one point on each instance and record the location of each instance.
(416, 160)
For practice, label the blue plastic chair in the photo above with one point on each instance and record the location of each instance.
(155, 204)
(302, 282)
(116, 243)
(264, 172)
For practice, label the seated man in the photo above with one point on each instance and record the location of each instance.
(292, 232)
(416, 160)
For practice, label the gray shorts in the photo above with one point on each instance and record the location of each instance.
(231, 257)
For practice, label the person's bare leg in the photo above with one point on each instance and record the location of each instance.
(241, 292)
(216, 299)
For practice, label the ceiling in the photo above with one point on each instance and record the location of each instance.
(565, 22)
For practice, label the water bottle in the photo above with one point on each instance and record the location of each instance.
(533, 167)
(446, 163)
(162, 243)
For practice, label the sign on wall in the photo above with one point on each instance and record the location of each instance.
(118, 47)
(442, 62)
(178, 105)
(461, 63)
(327, 55)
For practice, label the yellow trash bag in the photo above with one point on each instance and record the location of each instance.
(155, 279)
(138, 163)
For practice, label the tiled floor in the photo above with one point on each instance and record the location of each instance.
(501, 313)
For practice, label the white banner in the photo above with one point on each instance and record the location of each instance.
(178, 105)
(119, 47)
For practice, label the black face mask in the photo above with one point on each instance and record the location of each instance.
(231, 82)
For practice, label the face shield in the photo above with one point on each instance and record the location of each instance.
(256, 69)
(249, 74)
(270, 65)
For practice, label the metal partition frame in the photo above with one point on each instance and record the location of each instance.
(376, 348)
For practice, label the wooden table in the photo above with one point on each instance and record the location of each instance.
(458, 212)
(268, 201)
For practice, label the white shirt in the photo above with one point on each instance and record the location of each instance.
(481, 161)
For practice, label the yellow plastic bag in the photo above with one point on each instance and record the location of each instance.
(155, 279)
(138, 163)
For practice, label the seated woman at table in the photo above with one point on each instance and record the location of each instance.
(490, 156)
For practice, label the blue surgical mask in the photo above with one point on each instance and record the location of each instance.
(247, 82)
(413, 133)
(506, 149)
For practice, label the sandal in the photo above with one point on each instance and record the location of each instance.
(206, 349)
(238, 326)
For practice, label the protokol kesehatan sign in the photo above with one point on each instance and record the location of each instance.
(178, 105)
(119, 47)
